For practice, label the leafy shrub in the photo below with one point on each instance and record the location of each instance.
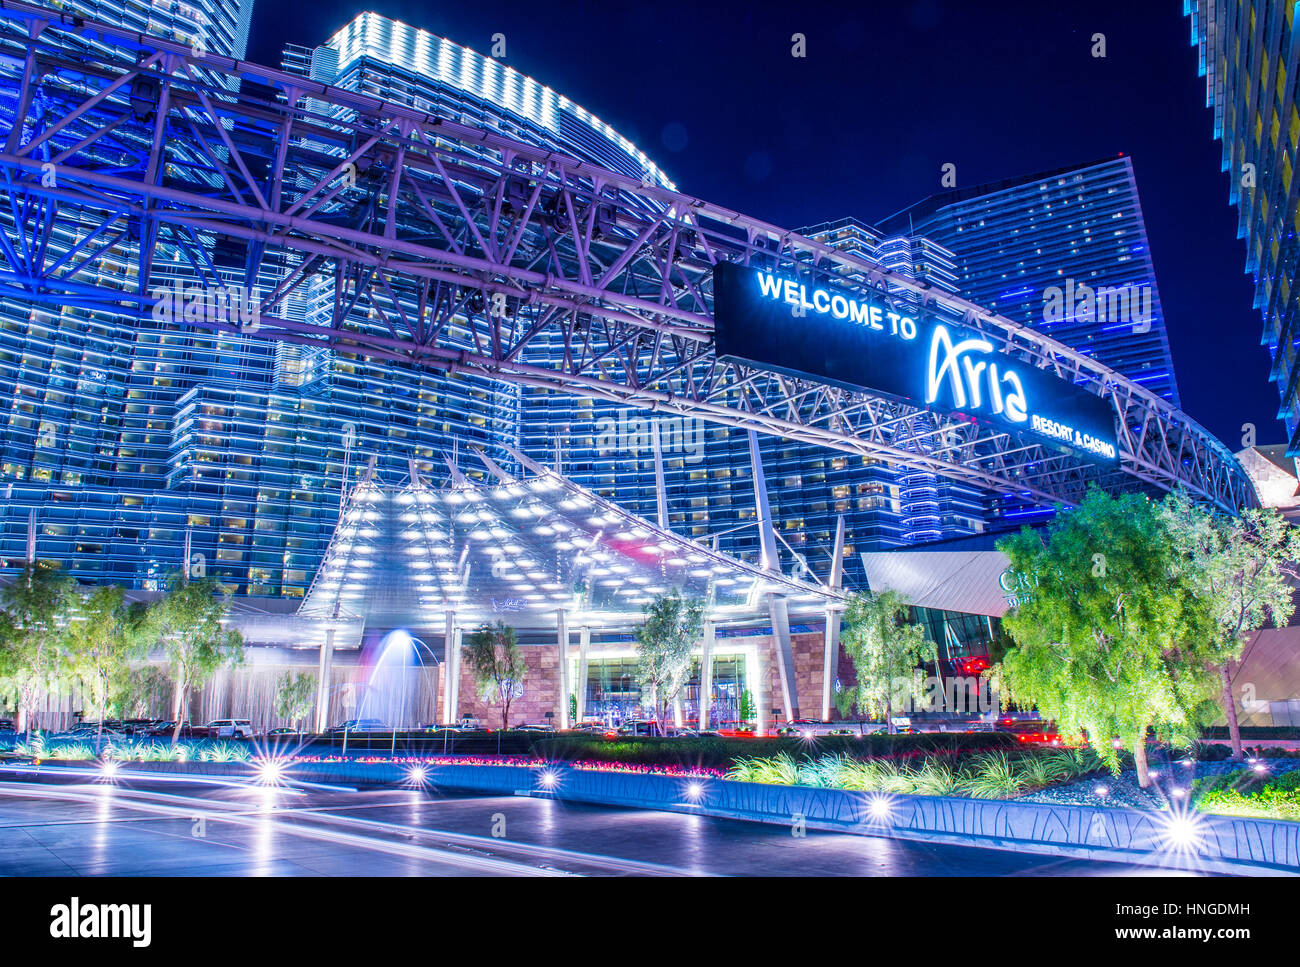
(894, 778)
(1213, 753)
(861, 776)
(826, 772)
(720, 752)
(779, 770)
(1248, 793)
(224, 752)
(1046, 769)
(993, 776)
(71, 750)
(935, 778)
(35, 746)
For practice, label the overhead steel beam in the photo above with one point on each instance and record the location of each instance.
(508, 261)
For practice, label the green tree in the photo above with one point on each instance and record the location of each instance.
(35, 612)
(845, 699)
(105, 634)
(188, 621)
(1239, 566)
(294, 694)
(886, 649)
(138, 692)
(1099, 643)
(665, 641)
(747, 710)
(497, 665)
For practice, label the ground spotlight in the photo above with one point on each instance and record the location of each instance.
(270, 772)
(880, 807)
(549, 779)
(694, 791)
(1182, 831)
(109, 768)
(417, 775)
(1102, 791)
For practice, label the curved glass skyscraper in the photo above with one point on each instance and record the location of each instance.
(130, 440)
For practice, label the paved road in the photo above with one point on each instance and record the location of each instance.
(81, 826)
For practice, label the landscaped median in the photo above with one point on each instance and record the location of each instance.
(886, 802)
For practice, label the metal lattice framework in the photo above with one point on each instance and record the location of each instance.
(432, 243)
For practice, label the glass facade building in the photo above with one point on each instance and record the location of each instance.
(1248, 56)
(1074, 231)
(129, 439)
(709, 471)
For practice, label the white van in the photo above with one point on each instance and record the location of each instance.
(231, 728)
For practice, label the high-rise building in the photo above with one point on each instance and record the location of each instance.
(1248, 57)
(132, 439)
(1064, 252)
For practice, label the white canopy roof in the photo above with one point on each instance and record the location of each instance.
(520, 550)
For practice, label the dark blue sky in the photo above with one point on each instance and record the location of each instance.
(887, 94)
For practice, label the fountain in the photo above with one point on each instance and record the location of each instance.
(388, 694)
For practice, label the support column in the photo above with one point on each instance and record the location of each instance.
(767, 537)
(31, 536)
(706, 674)
(661, 491)
(784, 655)
(584, 646)
(451, 663)
(831, 658)
(562, 641)
(831, 661)
(324, 670)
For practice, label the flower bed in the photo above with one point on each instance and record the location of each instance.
(983, 775)
(1250, 792)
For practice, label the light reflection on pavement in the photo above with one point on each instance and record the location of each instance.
(146, 826)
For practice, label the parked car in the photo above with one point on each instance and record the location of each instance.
(164, 730)
(640, 727)
(361, 725)
(282, 731)
(230, 728)
(533, 728)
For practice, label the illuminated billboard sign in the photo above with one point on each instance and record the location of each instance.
(778, 323)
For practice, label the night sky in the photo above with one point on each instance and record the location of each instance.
(887, 94)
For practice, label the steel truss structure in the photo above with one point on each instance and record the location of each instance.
(452, 247)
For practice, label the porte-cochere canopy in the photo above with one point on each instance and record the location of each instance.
(520, 550)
